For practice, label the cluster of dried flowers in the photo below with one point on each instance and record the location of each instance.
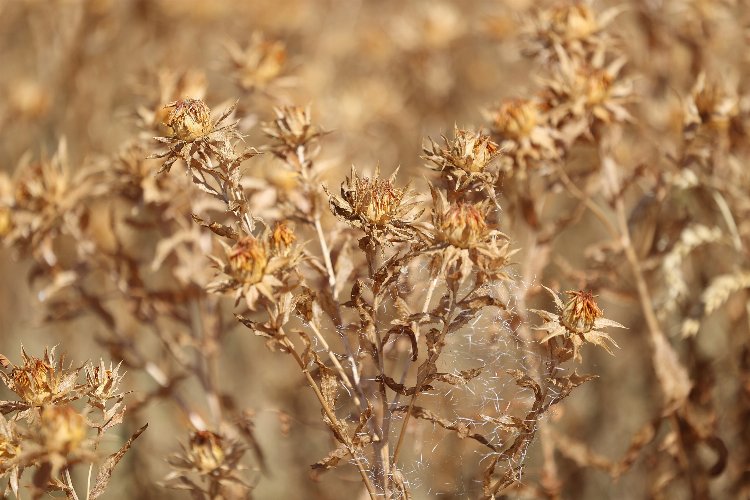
(46, 431)
(372, 287)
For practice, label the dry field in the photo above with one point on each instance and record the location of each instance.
(349, 249)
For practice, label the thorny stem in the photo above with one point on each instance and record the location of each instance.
(415, 327)
(69, 483)
(331, 416)
(420, 379)
(383, 445)
(332, 356)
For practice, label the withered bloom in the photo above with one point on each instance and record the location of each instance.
(521, 128)
(384, 212)
(247, 260)
(258, 267)
(260, 64)
(462, 232)
(188, 119)
(465, 160)
(212, 457)
(62, 430)
(41, 381)
(291, 129)
(579, 321)
(282, 238)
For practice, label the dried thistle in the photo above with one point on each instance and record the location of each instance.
(579, 320)
(215, 460)
(465, 161)
(384, 212)
(188, 119)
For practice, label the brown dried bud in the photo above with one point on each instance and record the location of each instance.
(281, 239)
(573, 22)
(189, 119)
(247, 260)
(206, 451)
(41, 381)
(515, 118)
(463, 226)
(10, 442)
(470, 151)
(62, 429)
(598, 84)
(292, 127)
(580, 312)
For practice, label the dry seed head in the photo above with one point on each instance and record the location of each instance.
(573, 22)
(10, 442)
(206, 451)
(292, 127)
(281, 239)
(62, 429)
(189, 119)
(597, 84)
(260, 63)
(515, 118)
(580, 312)
(247, 260)
(374, 200)
(470, 151)
(463, 225)
(39, 381)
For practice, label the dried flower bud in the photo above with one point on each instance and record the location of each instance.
(463, 226)
(580, 312)
(103, 383)
(206, 451)
(292, 127)
(247, 260)
(258, 65)
(281, 239)
(39, 381)
(61, 430)
(470, 151)
(573, 22)
(597, 84)
(374, 205)
(189, 119)
(515, 118)
(10, 442)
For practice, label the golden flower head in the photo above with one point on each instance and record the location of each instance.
(374, 204)
(247, 260)
(292, 127)
(10, 442)
(189, 119)
(62, 429)
(573, 21)
(260, 63)
(103, 383)
(463, 225)
(515, 118)
(41, 381)
(580, 321)
(469, 151)
(281, 238)
(580, 311)
(206, 451)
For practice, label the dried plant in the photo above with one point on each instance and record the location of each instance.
(424, 326)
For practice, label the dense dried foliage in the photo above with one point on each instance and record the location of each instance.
(324, 283)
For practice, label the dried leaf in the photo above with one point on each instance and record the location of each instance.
(105, 470)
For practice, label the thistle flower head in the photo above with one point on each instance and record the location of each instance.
(579, 321)
(515, 118)
(206, 451)
(375, 205)
(292, 128)
(463, 225)
(281, 238)
(573, 21)
(41, 381)
(62, 429)
(247, 260)
(188, 119)
(580, 312)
